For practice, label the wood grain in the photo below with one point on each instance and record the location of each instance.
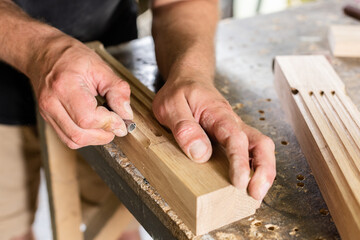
(327, 126)
(344, 40)
(201, 194)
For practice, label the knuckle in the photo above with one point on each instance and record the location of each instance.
(271, 175)
(268, 142)
(72, 145)
(45, 102)
(77, 138)
(183, 129)
(162, 106)
(207, 117)
(223, 103)
(58, 85)
(123, 86)
(85, 121)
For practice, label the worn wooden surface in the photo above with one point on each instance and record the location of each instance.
(294, 208)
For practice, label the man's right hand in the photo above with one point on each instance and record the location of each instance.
(66, 76)
(70, 77)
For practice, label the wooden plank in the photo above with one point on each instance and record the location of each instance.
(344, 40)
(108, 221)
(201, 194)
(327, 126)
(61, 180)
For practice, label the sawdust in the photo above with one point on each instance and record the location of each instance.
(237, 106)
(225, 89)
(294, 232)
(226, 236)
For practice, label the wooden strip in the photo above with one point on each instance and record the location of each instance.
(325, 122)
(344, 40)
(201, 194)
(116, 225)
(61, 180)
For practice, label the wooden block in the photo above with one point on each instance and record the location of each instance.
(327, 126)
(201, 194)
(344, 40)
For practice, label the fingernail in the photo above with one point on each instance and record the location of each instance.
(264, 189)
(120, 132)
(128, 109)
(197, 150)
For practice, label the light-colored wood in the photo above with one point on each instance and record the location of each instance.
(344, 40)
(116, 224)
(60, 167)
(327, 126)
(201, 194)
(107, 221)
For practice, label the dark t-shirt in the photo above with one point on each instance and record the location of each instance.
(109, 21)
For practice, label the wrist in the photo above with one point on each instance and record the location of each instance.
(192, 68)
(47, 50)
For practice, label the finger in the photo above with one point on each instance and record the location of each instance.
(70, 133)
(221, 123)
(264, 162)
(81, 106)
(117, 93)
(187, 132)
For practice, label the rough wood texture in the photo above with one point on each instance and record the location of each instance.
(345, 40)
(201, 194)
(327, 126)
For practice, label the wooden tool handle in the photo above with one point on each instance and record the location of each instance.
(352, 11)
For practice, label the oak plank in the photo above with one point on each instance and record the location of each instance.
(201, 194)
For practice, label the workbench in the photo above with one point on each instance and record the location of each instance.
(294, 207)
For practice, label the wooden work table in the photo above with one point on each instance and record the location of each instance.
(294, 207)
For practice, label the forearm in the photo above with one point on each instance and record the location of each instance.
(24, 41)
(183, 33)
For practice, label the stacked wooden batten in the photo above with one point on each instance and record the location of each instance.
(200, 194)
(327, 126)
(344, 40)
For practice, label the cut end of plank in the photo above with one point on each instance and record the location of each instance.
(220, 214)
(344, 40)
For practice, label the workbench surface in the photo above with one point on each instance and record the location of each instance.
(294, 207)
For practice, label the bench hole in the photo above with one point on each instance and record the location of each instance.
(258, 224)
(284, 143)
(324, 212)
(261, 111)
(300, 177)
(262, 119)
(300, 184)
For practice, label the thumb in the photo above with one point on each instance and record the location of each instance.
(190, 136)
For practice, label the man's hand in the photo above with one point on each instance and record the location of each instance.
(66, 76)
(66, 93)
(193, 109)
